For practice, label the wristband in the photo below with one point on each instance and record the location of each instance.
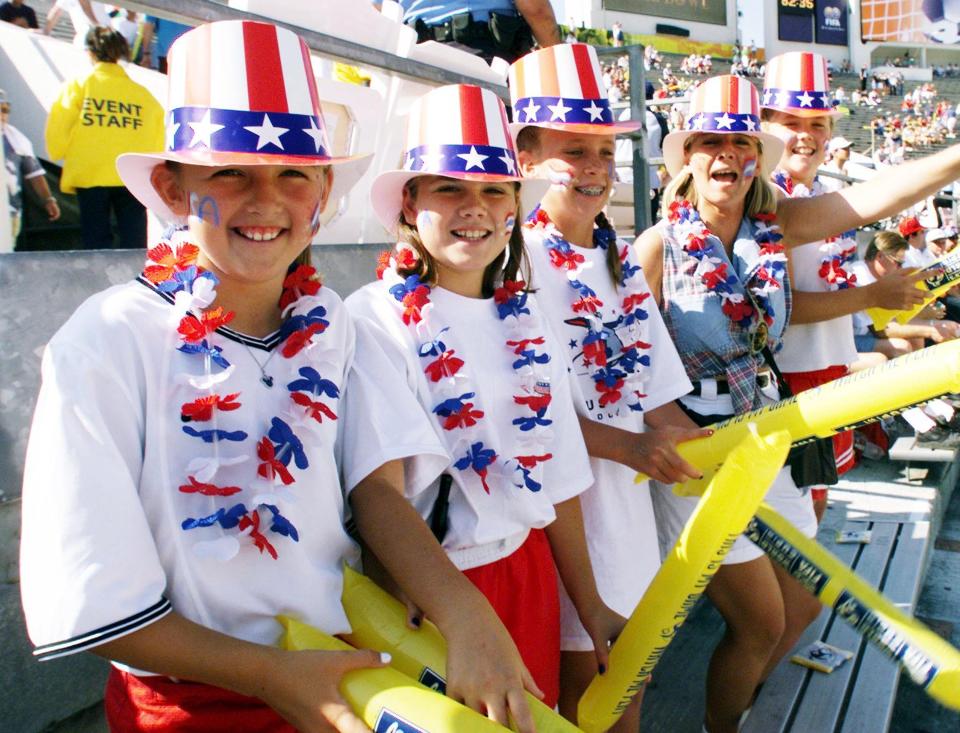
(51, 198)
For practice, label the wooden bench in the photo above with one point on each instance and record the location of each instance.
(903, 516)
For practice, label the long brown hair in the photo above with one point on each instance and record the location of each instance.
(517, 265)
(529, 140)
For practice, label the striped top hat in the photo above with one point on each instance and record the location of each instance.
(727, 105)
(241, 92)
(561, 87)
(797, 83)
(457, 131)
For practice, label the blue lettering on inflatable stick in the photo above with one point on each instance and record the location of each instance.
(429, 678)
(388, 722)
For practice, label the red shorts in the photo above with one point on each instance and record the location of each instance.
(842, 442)
(158, 704)
(522, 588)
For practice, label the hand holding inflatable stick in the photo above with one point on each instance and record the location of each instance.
(939, 277)
(840, 405)
(930, 661)
(387, 699)
(728, 503)
(378, 621)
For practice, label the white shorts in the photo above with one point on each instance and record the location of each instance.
(672, 511)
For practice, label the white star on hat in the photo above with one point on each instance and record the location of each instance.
(805, 99)
(408, 163)
(508, 161)
(698, 121)
(531, 111)
(267, 134)
(316, 133)
(558, 111)
(596, 113)
(431, 161)
(783, 98)
(724, 121)
(750, 123)
(767, 96)
(172, 129)
(203, 130)
(473, 158)
(824, 99)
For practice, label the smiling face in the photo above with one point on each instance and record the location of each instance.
(250, 222)
(805, 143)
(581, 168)
(723, 166)
(463, 226)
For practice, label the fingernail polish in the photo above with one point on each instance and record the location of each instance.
(603, 668)
(416, 621)
(385, 657)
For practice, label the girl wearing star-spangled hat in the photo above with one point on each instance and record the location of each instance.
(199, 431)
(818, 344)
(717, 269)
(597, 300)
(476, 348)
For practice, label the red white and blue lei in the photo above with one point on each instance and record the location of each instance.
(171, 268)
(458, 408)
(616, 376)
(769, 273)
(836, 252)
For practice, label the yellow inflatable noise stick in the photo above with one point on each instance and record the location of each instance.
(719, 518)
(839, 405)
(939, 277)
(930, 661)
(379, 621)
(386, 699)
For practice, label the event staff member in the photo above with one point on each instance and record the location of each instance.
(504, 28)
(94, 119)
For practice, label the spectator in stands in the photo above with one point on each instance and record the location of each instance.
(651, 58)
(166, 32)
(127, 24)
(94, 119)
(504, 28)
(18, 13)
(616, 35)
(22, 166)
(838, 151)
(884, 255)
(914, 234)
(84, 15)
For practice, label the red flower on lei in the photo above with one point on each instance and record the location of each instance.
(194, 330)
(201, 409)
(166, 262)
(300, 282)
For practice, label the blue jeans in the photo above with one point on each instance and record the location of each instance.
(96, 231)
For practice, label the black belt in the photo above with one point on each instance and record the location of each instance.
(764, 380)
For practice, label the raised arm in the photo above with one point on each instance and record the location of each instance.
(811, 219)
(896, 290)
(539, 14)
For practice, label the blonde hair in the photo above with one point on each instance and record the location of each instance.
(887, 243)
(425, 267)
(760, 198)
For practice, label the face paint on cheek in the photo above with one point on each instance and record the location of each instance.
(424, 219)
(205, 209)
(315, 220)
(508, 224)
(750, 168)
(562, 178)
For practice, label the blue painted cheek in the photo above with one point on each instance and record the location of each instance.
(205, 209)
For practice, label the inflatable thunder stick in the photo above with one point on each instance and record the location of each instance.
(939, 277)
(727, 505)
(930, 661)
(386, 699)
(379, 621)
(842, 404)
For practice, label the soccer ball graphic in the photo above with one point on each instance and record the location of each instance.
(942, 20)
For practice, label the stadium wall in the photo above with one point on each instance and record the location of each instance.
(593, 14)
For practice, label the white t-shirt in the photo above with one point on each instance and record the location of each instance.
(485, 526)
(79, 20)
(914, 257)
(809, 347)
(614, 506)
(861, 321)
(117, 484)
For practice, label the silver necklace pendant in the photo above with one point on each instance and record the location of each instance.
(266, 380)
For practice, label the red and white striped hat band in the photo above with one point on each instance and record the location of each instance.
(459, 129)
(724, 104)
(243, 87)
(797, 82)
(559, 84)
